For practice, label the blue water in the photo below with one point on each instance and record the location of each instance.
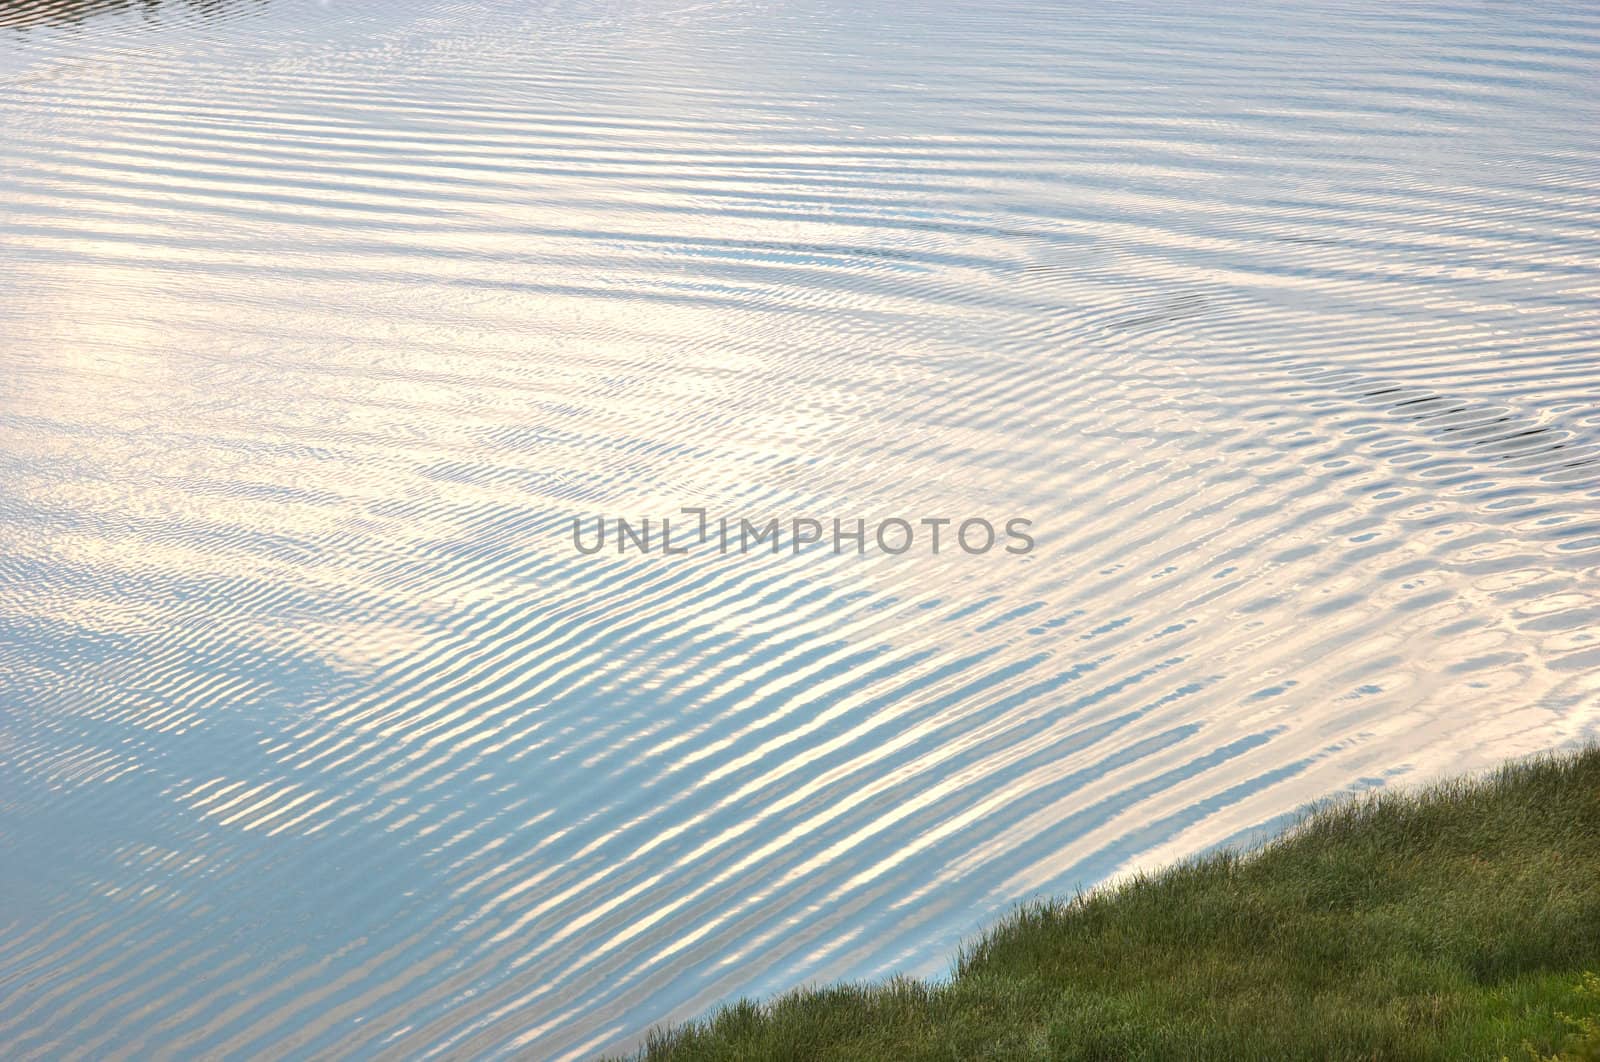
(320, 322)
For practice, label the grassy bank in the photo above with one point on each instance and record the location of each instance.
(1453, 923)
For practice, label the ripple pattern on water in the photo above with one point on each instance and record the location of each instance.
(321, 321)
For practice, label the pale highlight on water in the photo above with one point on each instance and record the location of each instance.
(320, 322)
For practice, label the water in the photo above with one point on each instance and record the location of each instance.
(320, 321)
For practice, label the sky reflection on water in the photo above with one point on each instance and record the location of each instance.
(319, 326)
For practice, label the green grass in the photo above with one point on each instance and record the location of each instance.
(1454, 922)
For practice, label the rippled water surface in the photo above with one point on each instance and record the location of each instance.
(319, 321)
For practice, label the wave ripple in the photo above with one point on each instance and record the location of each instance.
(321, 321)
